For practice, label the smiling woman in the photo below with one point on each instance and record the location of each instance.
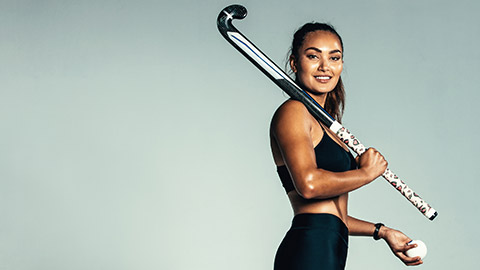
(315, 167)
(319, 66)
(305, 61)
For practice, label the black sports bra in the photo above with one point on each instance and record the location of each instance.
(329, 156)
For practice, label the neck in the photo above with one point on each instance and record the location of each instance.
(319, 98)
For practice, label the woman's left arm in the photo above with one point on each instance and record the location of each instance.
(396, 240)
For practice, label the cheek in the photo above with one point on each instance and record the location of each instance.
(304, 70)
(339, 69)
(304, 67)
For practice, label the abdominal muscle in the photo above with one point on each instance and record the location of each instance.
(336, 206)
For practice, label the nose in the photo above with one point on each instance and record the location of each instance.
(323, 64)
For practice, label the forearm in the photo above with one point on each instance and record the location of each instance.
(322, 184)
(357, 227)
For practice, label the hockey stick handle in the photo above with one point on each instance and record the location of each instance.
(271, 70)
(354, 144)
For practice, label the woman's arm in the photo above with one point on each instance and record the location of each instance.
(396, 240)
(291, 129)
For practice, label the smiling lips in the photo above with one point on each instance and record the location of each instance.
(322, 79)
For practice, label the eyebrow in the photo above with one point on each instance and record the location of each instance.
(318, 50)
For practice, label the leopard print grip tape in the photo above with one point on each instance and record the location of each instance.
(352, 142)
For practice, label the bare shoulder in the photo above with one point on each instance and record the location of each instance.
(290, 110)
(292, 114)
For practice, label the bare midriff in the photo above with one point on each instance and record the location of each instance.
(336, 206)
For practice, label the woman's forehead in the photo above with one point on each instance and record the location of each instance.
(321, 39)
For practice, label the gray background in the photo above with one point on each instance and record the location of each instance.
(133, 136)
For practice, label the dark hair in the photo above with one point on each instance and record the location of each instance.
(335, 101)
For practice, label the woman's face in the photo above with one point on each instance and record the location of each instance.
(319, 62)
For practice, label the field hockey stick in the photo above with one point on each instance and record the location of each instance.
(278, 76)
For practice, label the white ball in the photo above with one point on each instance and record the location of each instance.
(420, 250)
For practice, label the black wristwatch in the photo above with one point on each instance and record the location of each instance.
(377, 229)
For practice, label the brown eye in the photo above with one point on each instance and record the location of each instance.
(312, 56)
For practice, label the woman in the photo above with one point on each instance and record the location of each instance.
(315, 167)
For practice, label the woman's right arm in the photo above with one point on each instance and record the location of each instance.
(291, 128)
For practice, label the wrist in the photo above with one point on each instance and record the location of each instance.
(376, 232)
(365, 175)
(383, 232)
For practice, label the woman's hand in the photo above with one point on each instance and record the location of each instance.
(398, 243)
(372, 163)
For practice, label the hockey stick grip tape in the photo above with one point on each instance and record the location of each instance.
(351, 141)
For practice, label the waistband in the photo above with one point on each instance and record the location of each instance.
(321, 221)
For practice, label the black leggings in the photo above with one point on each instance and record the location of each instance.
(314, 242)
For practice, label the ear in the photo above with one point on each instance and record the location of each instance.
(293, 63)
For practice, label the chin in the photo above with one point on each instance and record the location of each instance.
(319, 89)
(322, 91)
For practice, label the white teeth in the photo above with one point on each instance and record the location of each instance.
(322, 77)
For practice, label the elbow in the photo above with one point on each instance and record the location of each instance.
(307, 189)
(307, 193)
(314, 186)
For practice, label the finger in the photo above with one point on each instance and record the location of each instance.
(405, 259)
(415, 263)
(411, 260)
(407, 247)
(384, 160)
